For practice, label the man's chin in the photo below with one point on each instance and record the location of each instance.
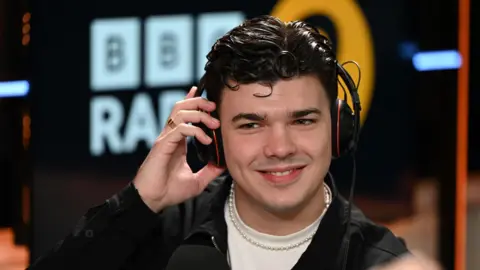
(283, 208)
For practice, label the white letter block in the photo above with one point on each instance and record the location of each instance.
(115, 54)
(168, 50)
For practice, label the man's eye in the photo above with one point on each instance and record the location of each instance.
(249, 126)
(305, 122)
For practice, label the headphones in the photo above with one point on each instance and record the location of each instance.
(345, 124)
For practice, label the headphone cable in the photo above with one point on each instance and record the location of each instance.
(356, 132)
(346, 239)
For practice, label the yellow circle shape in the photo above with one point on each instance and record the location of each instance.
(353, 35)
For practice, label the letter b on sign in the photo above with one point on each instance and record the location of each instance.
(115, 55)
(168, 41)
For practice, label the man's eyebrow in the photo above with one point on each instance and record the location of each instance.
(248, 116)
(259, 117)
(303, 113)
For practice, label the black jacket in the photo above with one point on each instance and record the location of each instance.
(124, 233)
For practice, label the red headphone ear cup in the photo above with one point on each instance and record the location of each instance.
(203, 151)
(212, 153)
(342, 128)
(335, 128)
(218, 145)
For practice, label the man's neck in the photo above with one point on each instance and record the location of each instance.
(262, 220)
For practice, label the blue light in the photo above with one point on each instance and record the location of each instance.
(437, 60)
(14, 89)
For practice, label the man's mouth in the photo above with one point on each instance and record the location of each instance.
(282, 175)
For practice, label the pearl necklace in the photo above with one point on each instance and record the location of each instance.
(232, 207)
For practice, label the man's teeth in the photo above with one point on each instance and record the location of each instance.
(281, 173)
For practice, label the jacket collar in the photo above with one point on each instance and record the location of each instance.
(327, 241)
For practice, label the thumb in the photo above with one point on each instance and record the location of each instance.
(207, 174)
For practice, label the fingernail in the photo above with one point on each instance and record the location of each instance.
(215, 120)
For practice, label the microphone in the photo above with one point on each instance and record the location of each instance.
(197, 257)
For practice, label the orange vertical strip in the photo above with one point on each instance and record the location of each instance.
(462, 135)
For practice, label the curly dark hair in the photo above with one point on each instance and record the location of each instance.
(265, 50)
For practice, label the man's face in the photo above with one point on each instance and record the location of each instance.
(277, 148)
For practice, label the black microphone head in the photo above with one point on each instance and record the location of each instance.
(197, 257)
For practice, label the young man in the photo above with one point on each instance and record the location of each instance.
(271, 86)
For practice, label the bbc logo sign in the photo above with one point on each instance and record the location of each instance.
(116, 55)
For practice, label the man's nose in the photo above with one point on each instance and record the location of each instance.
(280, 142)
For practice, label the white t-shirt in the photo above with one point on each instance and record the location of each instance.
(245, 256)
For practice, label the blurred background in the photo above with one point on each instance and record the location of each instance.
(85, 87)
